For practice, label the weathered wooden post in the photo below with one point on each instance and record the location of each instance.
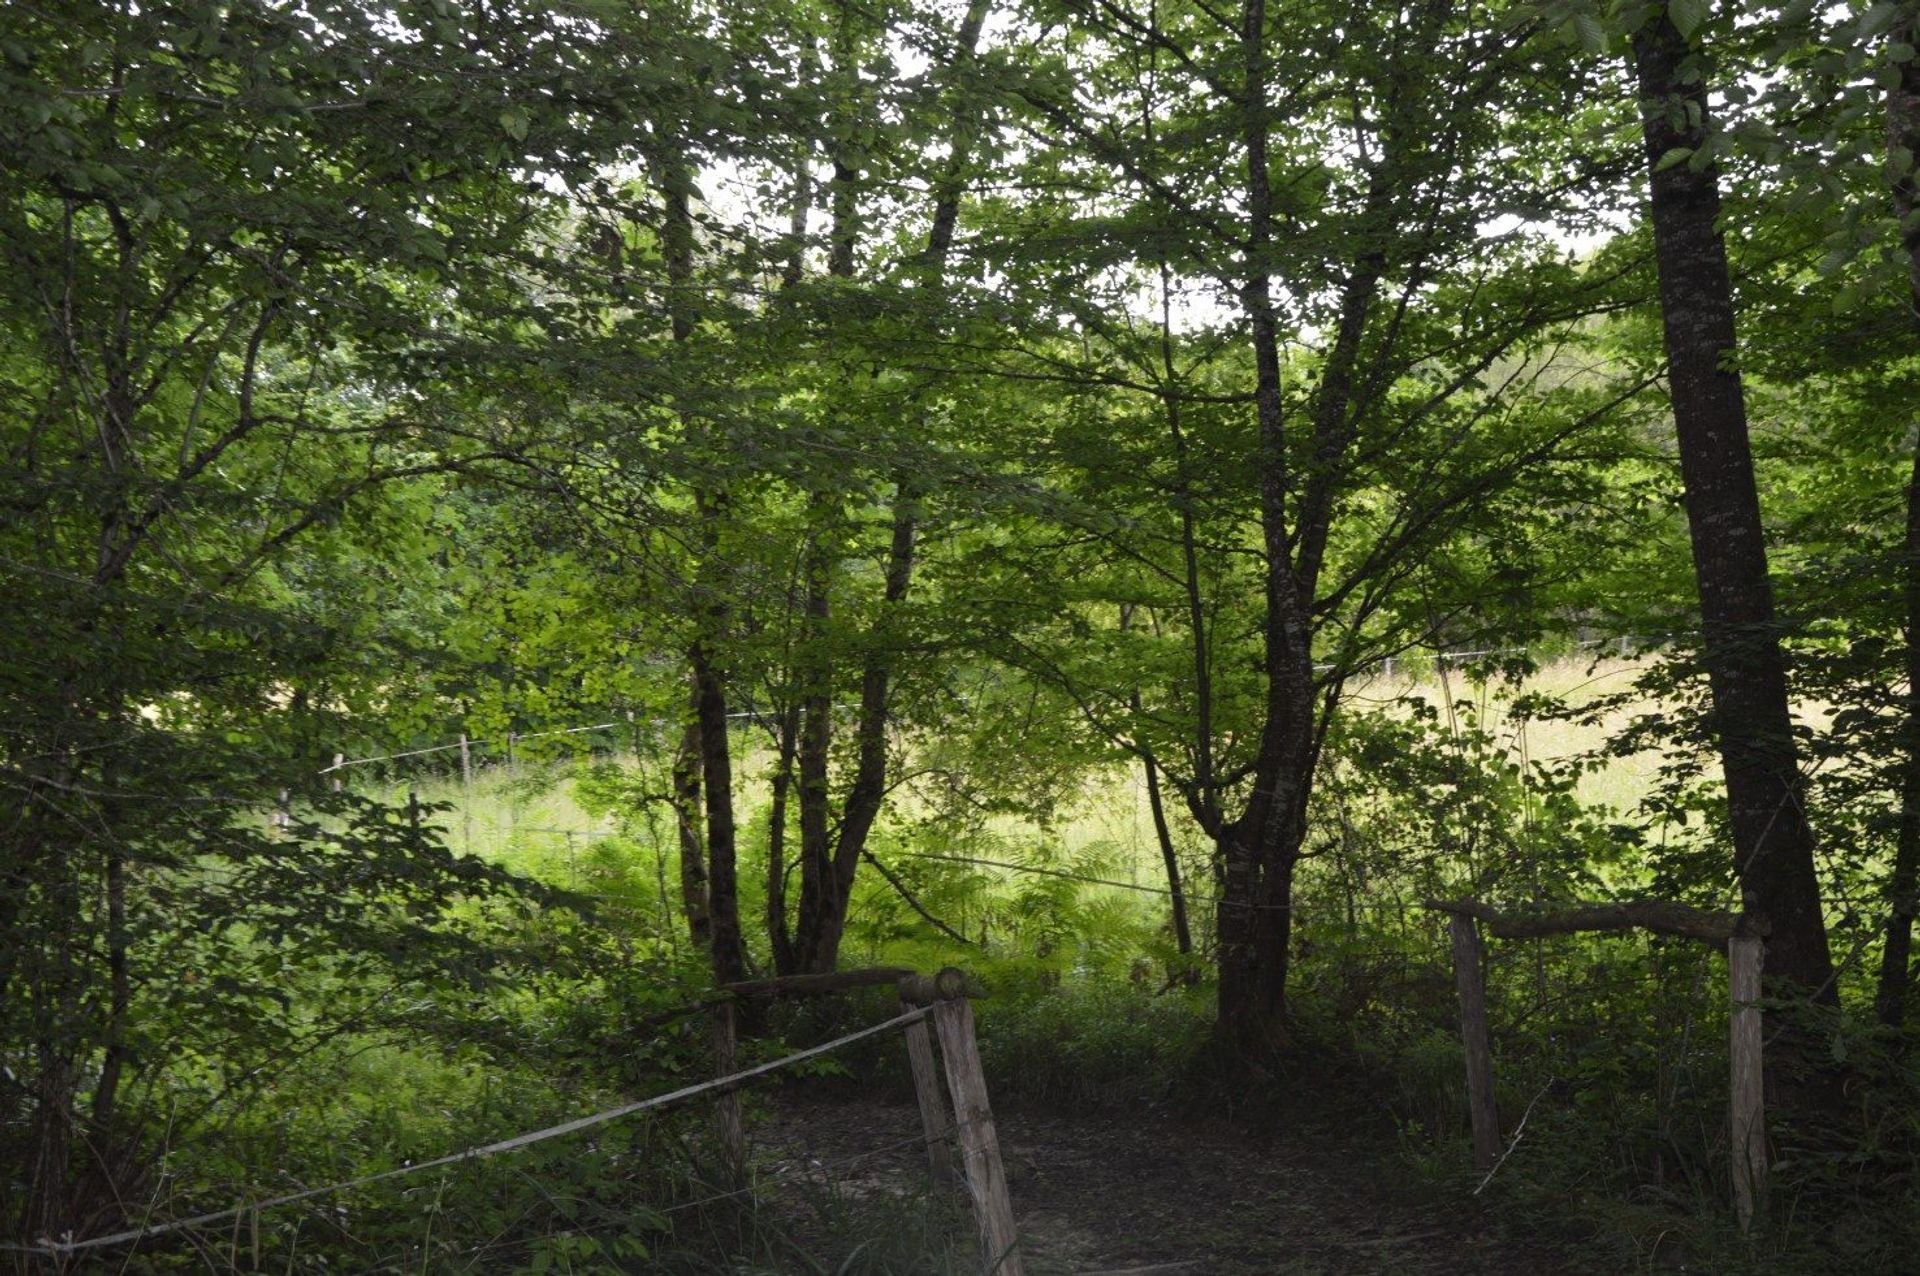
(984, 1173)
(1470, 978)
(513, 790)
(1747, 1111)
(728, 1125)
(926, 1092)
(466, 792)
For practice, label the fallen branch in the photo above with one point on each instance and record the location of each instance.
(829, 981)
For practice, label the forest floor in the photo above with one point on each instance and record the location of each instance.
(1174, 1193)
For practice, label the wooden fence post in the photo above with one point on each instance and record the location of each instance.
(1747, 1112)
(1471, 980)
(513, 791)
(926, 1091)
(986, 1176)
(466, 792)
(726, 1111)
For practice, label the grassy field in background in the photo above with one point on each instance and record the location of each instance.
(529, 815)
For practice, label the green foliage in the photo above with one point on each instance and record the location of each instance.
(1088, 1042)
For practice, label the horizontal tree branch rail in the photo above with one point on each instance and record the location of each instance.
(826, 982)
(1663, 917)
(915, 988)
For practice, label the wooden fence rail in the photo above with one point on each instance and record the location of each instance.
(1740, 934)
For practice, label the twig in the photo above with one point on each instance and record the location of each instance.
(901, 888)
(1518, 1131)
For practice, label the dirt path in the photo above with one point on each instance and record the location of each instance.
(1173, 1195)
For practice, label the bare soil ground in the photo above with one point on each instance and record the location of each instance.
(1172, 1193)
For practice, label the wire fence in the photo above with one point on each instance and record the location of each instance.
(134, 1235)
(1388, 666)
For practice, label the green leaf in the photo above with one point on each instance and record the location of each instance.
(1877, 19)
(1887, 76)
(1591, 32)
(1673, 158)
(1688, 15)
(514, 121)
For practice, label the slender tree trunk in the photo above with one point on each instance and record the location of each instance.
(817, 885)
(868, 791)
(1903, 889)
(1176, 892)
(1773, 844)
(693, 845)
(716, 771)
(819, 890)
(106, 1090)
(714, 615)
(824, 914)
(56, 1083)
(779, 936)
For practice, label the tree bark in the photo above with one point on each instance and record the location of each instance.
(1773, 845)
(716, 770)
(693, 845)
(1903, 888)
(779, 934)
(1176, 892)
(817, 883)
(1251, 996)
(869, 787)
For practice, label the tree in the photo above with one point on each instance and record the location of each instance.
(1903, 888)
(1751, 722)
(231, 233)
(1385, 441)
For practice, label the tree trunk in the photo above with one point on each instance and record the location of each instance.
(106, 1090)
(869, 788)
(779, 936)
(714, 615)
(56, 1025)
(1258, 849)
(823, 916)
(816, 748)
(1773, 845)
(1176, 892)
(716, 773)
(693, 846)
(1903, 889)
